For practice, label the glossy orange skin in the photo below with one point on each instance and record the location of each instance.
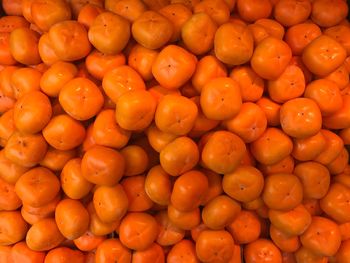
(73, 183)
(12, 7)
(55, 159)
(183, 250)
(25, 149)
(339, 165)
(5, 254)
(339, 119)
(9, 200)
(32, 112)
(152, 30)
(323, 55)
(214, 246)
(220, 99)
(271, 147)
(300, 118)
(175, 114)
(328, 13)
(13, 226)
(223, 152)
(154, 253)
(97, 227)
(178, 14)
(58, 132)
(271, 110)
(265, 61)
(249, 123)
(21, 253)
(244, 184)
(340, 33)
(291, 12)
(176, 162)
(133, 232)
(286, 165)
(88, 13)
(5, 80)
(173, 67)
(184, 220)
(203, 27)
(135, 110)
(24, 46)
(81, 98)
(77, 5)
(220, 212)
(328, 239)
(306, 255)
(102, 166)
(25, 80)
(262, 250)
(233, 44)
(44, 235)
(333, 148)
(169, 234)
(37, 178)
(33, 214)
(251, 85)
(69, 34)
(245, 228)
(47, 13)
(218, 10)
(158, 185)
(214, 186)
(129, 9)
(138, 200)
(334, 203)
(340, 76)
(112, 249)
(63, 255)
(284, 241)
(109, 33)
(188, 191)
(309, 148)
(65, 211)
(56, 77)
(209, 67)
(5, 53)
(289, 85)
(88, 241)
(282, 191)
(141, 59)
(46, 50)
(317, 181)
(252, 10)
(7, 126)
(326, 94)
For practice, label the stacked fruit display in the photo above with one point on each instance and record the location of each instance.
(174, 131)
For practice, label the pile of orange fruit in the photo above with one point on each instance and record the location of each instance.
(180, 131)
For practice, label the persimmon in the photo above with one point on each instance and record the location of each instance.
(332, 149)
(283, 241)
(46, 50)
(138, 231)
(58, 132)
(141, 59)
(112, 249)
(9, 200)
(109, 33)
(290, 13)
(102, 166)
(339, 33)
(220, 212)
(154, 253)
(203, 28)
(282, 191)
(70, 34)
(322, 236)
(138, 200)
(174, 66)
(183, 250)
(270, 58)
(175, 114)
(64, 254)
(20, 252)
(169, 233)
(262, 250)
(13, 227)
(233, 44)
(286, 165)
(253, 10)
(245, 228)
(184, 220)
(322, 15)
(25, 80)
(88, 241)
(88, 13)
(178, 14)
(214, 245)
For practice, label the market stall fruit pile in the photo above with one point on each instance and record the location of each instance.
(174, 131)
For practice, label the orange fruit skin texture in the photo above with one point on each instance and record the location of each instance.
(180, 131)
